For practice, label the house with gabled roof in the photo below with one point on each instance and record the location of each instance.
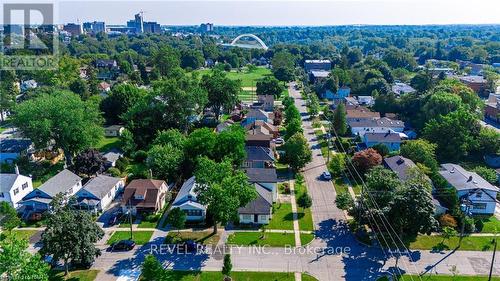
(187, 201)
(471, 186)
(390, 139)
(259, 210)
(99, 192)
(144, 196)
(65, 182)
(13, 187)
(361, 126)
(266, 177)
(258, 157)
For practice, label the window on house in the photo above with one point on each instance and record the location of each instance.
(70, 191)
(109, 194)
(479, 206)
(16, 191)
(2, 195)
(25, 185)
(479, 194)
(246, 217)
(193, 213)
(263, 217)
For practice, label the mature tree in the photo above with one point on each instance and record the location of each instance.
(366, 159)
(344, 201)
(488, 141)
(382, 184)
(8, 91)
(337, 164)
(222, 189)
(459, 127)
(385, 103)
(382, 149)
(230, 144)
(441, 103)
(177, 219)
(339, 120)
(62, 119)
(420, 151)
(8, 217)
(89, 162)
(304, 201)
(291, 113)
(227, 266)
(166, 61)
(201, 142)
(379, 85)
(80, 87)
(17, 264)
(354, 55)
(486, 173)
(313, 105)
(222, 91)
(293, 127)
(270, 86)
(468, 96)
(396, 58)
(165, 161)
(283, 66)
(422, 81)
(192, 58)
(121, 98)
(171, 137)
(151, 269)
(127, 142)
(297, 152)
(70, 234)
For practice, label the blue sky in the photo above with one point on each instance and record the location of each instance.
(285, 12)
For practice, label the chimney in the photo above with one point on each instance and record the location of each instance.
(16, 168)
(470, 179)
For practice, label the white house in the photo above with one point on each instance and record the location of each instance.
(391, 140)
(99, 192)
(259, 210)
(13, 187)
(375, 125)
(65, 182)
(113, 131)
(186, 201)
(265, 177)
(471, 186)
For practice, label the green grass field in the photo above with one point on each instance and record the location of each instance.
(255, 238)
(106, 144)
(204, 237)
(23, 234)
(174, 275)
(306, 238)
(442, 278)
(140, 237)
(491, 225)
(305, 219)
(77, 275)
(469, 243)
(282, 217)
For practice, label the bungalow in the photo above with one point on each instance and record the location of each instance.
(342, 93)
(402, 88)
(13, 187)
(271, 129)
(317, 76)
(113, 131)
(389, 139)
(258, 157)
(259, 210)
(267, 178)
(366, 100)
(471, 186)
(187, 201)
(375, 125)
(400, 165)
(111, 157)
(65, 182)
(144, 196)
(475, 82)
(11, 149)
(354, 112)
(99, 192)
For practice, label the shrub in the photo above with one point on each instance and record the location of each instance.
(337, 164)
(122, 163)
(140, 156)
(114, 172)
(227, 267)
(447, 220)
(382, 149)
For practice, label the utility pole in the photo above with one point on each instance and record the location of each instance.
(465, 206)
(130, 217)
(493, 260)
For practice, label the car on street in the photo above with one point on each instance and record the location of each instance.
(122, 245)
(279, 141)
(326, 176)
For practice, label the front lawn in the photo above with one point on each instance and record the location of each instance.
(255, 238)
(77, 275)
(306, 238)
(305, 219)
(442, 278)
(469, 243)
(282, 217)
(24, 234)
(106, 144)
(203, 237)
(490, 224)
(176, 275)
(140, 237)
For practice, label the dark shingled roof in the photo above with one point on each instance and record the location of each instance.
(259, 153)
(14, 145)
(462, 179)
(261, 175)
(400, 165)
(382, 137)
(260, 205)
(148, 188)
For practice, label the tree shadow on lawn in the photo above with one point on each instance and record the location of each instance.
(168, 256)
(361, 263)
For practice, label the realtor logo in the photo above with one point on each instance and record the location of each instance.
(29, 39)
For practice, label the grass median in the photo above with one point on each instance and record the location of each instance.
(140, 237)
(176, 275)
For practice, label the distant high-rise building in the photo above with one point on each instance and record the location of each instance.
(206, 27)
(94, 27)
(151, 27)
(73, 28)
(137, 23)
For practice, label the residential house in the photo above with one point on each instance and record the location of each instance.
(28, 84)
(259, 137)
(113, 131)
(254, 115)
(13, 187)
(224, 125)
(264, 102)
(258, 157)
(475, 82)
(111, 157)
(271, 129)
(354, 112)
(104, 88)
(259, 210)
(375, 125)
(400, 88)
(366, 100)
(99, 192)
(12, 149)
(469, 185)
(389, 139)
(340, 95)
(310, 65)
(492, 108)
(400, 165)
(187, 201)
(106, 69)
(38, 200)
(266, 177)
(144, 196)
(318, 76)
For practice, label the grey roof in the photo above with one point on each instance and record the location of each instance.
(101, 185)
(187, 188)
(257, 113)
(6, 181)
(259, 153)
(404, 88)
(14, 145)
(261, 175)
(376, 122)
(112, 155)
(400, 165)
(320, 73)
(61, 182)
(462, 179)
(114, 127)
(260, 205)
(382, 137)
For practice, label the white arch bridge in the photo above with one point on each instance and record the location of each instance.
(235, 43)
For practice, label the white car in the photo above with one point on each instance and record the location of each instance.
(279, 141)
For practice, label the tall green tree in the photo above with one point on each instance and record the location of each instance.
(230, 144)
(270, 86)
(165, 161)
(17, 264)
(62, 118)
(297, 152)
(177, 219)
(121, 98)
(222, 91)
(8, 217)
(152, 269)
(8, 91)
(166, 61)
(420, 151)
(339, 121)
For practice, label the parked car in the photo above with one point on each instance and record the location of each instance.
(326, 176)
(122, 245)
(279, 141)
